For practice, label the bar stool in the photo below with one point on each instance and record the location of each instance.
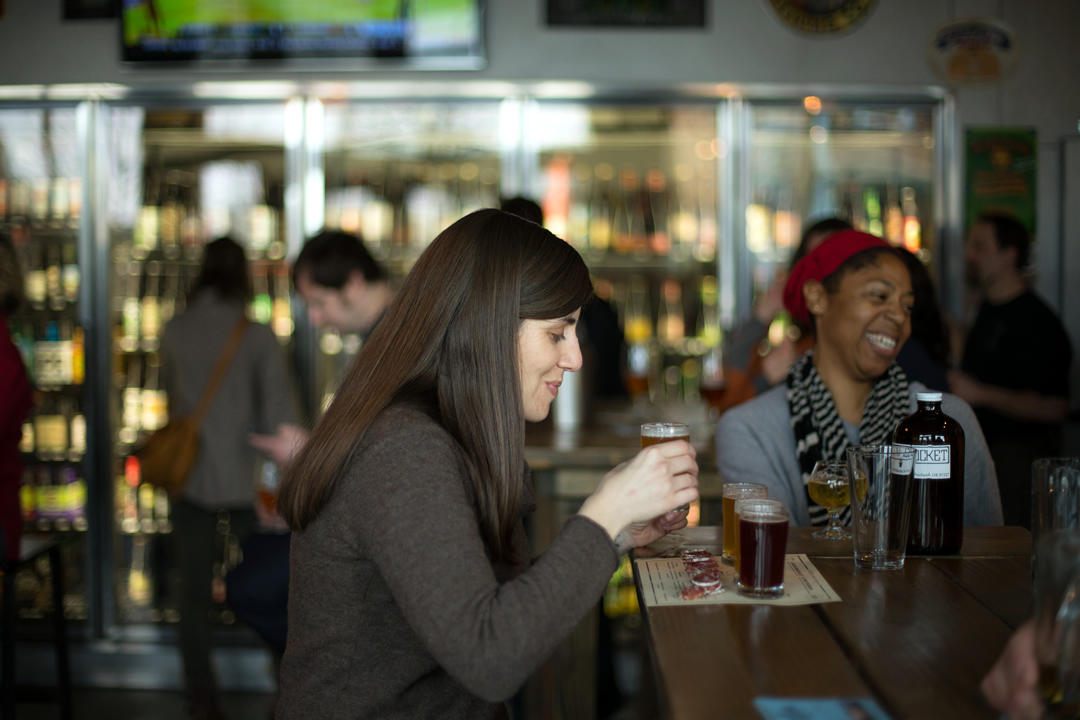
(31, 549)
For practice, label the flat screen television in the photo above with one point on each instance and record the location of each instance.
(432, 33)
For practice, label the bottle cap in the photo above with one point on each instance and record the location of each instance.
(928, 397)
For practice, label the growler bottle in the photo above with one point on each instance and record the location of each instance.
(937, 498)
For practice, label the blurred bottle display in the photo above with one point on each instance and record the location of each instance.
(870, 164)
(634, 189)
(40, 210)
(195, 175)
(397, 174)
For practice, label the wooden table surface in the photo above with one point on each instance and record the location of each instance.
(918, 640)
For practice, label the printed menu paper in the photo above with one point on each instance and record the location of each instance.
(664, 581)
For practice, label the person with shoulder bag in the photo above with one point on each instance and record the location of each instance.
(228, 398)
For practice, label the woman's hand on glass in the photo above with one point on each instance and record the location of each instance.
(642, 533)
(638, 495)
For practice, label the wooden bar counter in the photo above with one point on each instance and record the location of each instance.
(918, 640)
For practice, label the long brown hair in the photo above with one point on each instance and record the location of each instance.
(451, 332)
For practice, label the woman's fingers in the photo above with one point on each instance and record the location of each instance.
(671, 449)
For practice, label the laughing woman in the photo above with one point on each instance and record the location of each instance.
(856, 294)
(411, 593)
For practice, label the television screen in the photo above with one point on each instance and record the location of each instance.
(440, 33)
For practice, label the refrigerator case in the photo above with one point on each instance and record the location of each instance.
(635, 188)
(398, 173)
(41, 195)
(179, 177)
(873, 164)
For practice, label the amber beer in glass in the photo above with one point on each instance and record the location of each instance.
(654, 433)
(763, 531)
(732, 493)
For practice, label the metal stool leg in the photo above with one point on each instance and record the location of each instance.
(8, 690)
(60, 642)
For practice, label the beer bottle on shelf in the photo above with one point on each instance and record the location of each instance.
(69, 273)
(19, 203)
(937, 501)
(150, 309)
(705, 250)
(54, 292)
(35, 284)
(39, 199)
(601, 209)
(75, 198)
(671, 324)
(59, 199)
(912, 227)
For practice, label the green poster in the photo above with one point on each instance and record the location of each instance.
(999, 175)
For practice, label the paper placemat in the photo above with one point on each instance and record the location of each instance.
(664, 580)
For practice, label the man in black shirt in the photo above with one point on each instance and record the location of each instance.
(1015, 366)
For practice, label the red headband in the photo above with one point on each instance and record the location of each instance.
(822, 262)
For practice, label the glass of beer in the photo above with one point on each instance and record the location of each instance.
(828, 487)
(734, 492)
(763, 531)
(653, 433)
(1057, 621)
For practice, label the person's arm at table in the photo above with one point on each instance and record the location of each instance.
(1020, 404)
(1011, 686)
(283, 445)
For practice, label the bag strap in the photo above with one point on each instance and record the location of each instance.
(220, 368)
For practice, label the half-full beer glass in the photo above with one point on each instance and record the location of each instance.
(654, 433)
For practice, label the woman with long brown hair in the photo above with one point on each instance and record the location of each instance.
(412, 594)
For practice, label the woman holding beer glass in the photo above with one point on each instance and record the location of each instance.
(855, 294)
(412, 593)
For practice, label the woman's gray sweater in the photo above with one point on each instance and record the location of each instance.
(395, 609)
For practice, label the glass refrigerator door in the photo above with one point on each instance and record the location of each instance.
(41, 195)
(397, 173)
(635, 189)
(873, 165)
(178, 177)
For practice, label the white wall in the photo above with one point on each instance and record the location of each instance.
(744, 42)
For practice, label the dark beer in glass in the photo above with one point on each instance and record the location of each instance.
(763, 531)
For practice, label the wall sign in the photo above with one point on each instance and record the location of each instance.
(822, 16)
(641, 13)
(999, 172)
(975, 50)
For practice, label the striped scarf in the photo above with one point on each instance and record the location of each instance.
(819, 431)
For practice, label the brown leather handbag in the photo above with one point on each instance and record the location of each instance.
(167, 455)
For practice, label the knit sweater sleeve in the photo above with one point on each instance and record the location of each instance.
(755, 443)
(982, 500)
(412, 515)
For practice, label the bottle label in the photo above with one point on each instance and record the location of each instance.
(933, 462)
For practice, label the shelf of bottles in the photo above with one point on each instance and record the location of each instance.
(635, 189)
(872, 165)
(396, 174)
(191, 175)
(40, 210)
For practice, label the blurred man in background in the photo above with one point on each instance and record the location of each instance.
(1016, 359)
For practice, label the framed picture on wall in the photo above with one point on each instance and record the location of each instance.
(88, 9)
(615, 13)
